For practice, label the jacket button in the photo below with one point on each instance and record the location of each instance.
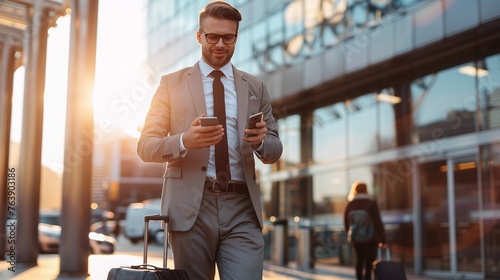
(203, 168)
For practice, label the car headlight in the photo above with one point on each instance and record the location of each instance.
(52, 234)
(97, 236)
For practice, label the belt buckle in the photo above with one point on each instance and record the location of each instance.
(216, 187)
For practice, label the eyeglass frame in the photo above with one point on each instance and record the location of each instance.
(218, 37)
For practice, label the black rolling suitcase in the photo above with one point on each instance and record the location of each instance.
(385, 269)
(146, 271)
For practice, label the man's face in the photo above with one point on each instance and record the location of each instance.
(218, 54)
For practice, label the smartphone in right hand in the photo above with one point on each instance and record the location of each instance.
(209, 121)
(253, 120)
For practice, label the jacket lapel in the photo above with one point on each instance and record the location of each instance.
(196, 90)
(241, 85)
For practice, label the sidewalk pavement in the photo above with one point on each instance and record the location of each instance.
(99, 265)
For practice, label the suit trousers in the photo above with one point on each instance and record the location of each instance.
(226, 233)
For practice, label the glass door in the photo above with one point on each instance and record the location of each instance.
(435, 217)
(467, 222)
(490, 157)
(451, 242)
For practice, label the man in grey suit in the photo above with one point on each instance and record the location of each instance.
(213, 221)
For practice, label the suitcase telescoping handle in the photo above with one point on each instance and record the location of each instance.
(387, 253)
(164, 220)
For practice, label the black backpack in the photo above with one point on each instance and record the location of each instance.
(362, 228)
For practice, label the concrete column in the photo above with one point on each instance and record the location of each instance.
(7, 63)
(28, 185)
(74, 250)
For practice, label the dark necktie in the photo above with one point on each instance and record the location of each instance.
(222, 171)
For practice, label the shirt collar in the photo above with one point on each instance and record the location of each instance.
(207, 69)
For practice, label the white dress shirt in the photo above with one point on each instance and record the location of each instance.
(230, 99)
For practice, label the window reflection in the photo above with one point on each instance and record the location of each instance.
(362, 124)
(467, 228)
(363, 174)
(444, 104)
(297, 28)
(491, 206)
(289, 130)
(488, 72)
(387, 118)
(329, 133)
(393, 181)
(434, 199)
(330, 192)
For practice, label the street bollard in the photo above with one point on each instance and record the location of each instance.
(279, 242)
(305, 248)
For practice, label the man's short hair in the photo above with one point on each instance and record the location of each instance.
(220, 10)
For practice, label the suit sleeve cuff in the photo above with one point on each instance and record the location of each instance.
(258, 151)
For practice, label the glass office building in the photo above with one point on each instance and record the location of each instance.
(401, 94)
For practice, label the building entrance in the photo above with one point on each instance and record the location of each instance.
(490, 175)
(451, 226)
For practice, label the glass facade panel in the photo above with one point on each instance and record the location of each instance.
(393, 186)
(430, 28)
(266, 191)
(276, 23)
(444, 104)
(259, 34)
(488, 73)
(363, 174)
(243, 51)
(467, 228)
(294, 16)
(329, 133)
(331, 35)
(299, 28)
(289, 130)
(329, 193)
(460, 15)
(434, 200)
(262, 168)
(359, 14)
(490, 158)
(387, 118)
(275, 54)
(362, 124)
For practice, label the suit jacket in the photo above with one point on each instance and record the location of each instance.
(178, 100)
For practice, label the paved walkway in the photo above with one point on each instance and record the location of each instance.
(99, 265)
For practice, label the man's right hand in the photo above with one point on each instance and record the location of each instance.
(198, 136)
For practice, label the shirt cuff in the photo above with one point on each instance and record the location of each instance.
(258, 151)
(182, 148)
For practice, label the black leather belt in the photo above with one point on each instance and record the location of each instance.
(231, 187)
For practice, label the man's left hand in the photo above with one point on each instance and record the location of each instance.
(255, 135)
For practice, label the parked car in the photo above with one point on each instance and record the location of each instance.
(134, 221)
(49, 234)
(101, 243)
(49, 237)
(53, 216)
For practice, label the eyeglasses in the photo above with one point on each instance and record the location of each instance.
(228, 39)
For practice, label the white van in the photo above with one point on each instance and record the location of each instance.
(134, 221)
